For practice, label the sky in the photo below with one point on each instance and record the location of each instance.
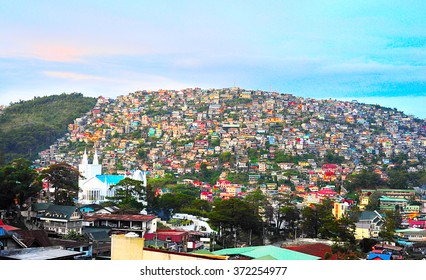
(370, 51)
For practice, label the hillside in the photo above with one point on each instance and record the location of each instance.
(245, 136)
(28, 127)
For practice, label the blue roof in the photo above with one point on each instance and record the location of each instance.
(110, 179)
(372, 256)
(3, 232)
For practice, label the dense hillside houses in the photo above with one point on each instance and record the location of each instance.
(232, 143)
(262, 132)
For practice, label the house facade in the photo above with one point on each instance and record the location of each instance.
(62, 219)
(123, 223)
(368, 225)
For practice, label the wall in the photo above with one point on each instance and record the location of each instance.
(126, 248)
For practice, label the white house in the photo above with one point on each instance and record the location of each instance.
(95, 187)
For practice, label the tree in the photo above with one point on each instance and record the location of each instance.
(153, 185)
(208, 175)
(331, 157)
(291, 215)
(129, 194)
(256, 199)
(227, 157)
(63, 178)
(398, 179)
(392, 221)
(73, 235)
(373, 201)
(318, 221)
(366, 179)
(198, 207)
(17, 183)
(232, 216)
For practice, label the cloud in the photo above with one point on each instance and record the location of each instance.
(72, 75)
(57, 53)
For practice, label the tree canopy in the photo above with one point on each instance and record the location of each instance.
(232, 217)
(17, 183)
(130, 195)
(63, 178)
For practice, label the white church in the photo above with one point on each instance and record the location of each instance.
(95, 187)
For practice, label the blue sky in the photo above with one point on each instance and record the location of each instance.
(372, 51)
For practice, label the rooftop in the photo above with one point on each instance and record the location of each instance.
(41, 253)
(119, 217)
(266, 252)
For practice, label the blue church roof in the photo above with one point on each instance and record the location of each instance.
(110, 179)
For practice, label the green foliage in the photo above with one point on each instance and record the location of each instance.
(238, 178)
(227, 157)
(373, 201)
(208, 175)
(331, 157)
(318, 221)
(63, 178)
(215, 142)
(17, 183)
(28, 127)
(402, 179)
(234, 213)
(392, 221)
(256, 199)
(128, 194)
(236, 222)
(366, 179)
(73, 235)
(198, 207)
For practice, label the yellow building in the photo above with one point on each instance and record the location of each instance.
(127, 247)
(339, 209)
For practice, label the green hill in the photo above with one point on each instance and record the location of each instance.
(28, 127)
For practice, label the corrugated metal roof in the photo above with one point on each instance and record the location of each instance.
(41, 253)
(261, 252)
(61, 212)
(110, 179)
(119, 217)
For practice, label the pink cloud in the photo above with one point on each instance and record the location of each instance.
(58, 53)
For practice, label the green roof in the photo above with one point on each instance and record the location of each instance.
(368, 215)
(62, 212)
(416, 231)
(40, 206)
(385, 198)
(266, 253)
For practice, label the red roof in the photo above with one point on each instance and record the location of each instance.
(327, 192)
(317, 249)
(329, 166)
(7, 227)
(224, 182)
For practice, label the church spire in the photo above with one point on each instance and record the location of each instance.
(95, 158)
(84, 161)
